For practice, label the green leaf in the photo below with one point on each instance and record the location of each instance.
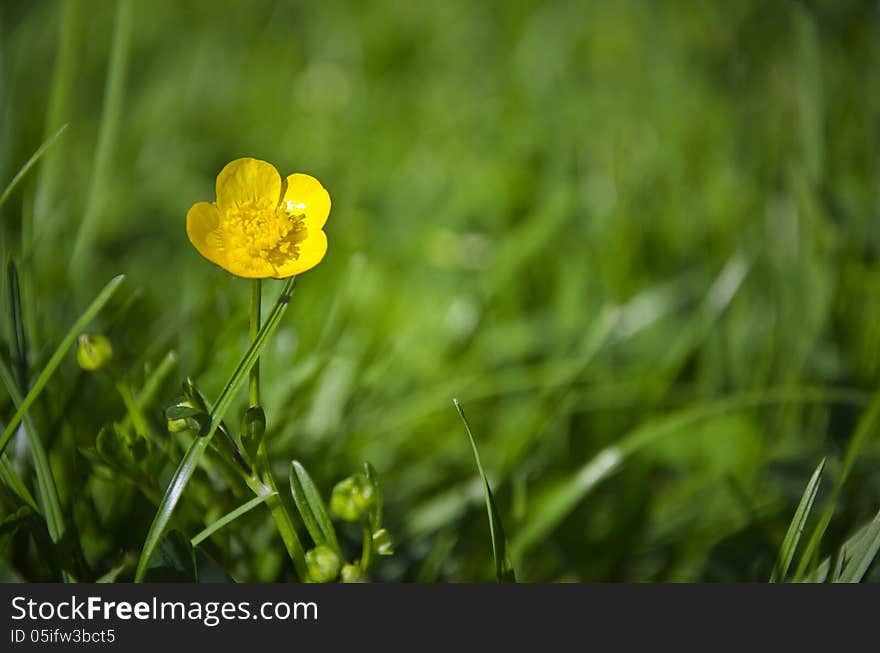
(89, 314)
(194, 454)
(311, 508)
(182, 412)
(503, 568)
(796, 528)
(229, 517)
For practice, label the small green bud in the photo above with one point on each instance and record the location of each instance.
(93, 351)
(352, 498)
(352, 573)
(382, 542)
(323, 564)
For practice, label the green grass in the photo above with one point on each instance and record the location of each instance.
(638, 241)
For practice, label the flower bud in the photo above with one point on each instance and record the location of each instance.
(382, 542)
(323, 564)
(352, 573)
(179, 425)
(352, 498)
(93, 351)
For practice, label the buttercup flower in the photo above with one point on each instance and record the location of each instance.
(261, 227)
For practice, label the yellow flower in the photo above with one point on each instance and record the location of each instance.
(261, 227)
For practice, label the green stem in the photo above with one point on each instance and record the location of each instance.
(263, 485)
(367, 552)
(255, 328)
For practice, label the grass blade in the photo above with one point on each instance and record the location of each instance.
(36, 156)
(859, 552)
(311, 508)
(15, 483)
(796, 528)
(197, 449)
(867, 426)
(89, 314)
(228, 518)
(503, 568)
(853, 558)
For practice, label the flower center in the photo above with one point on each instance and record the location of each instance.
(258, 230)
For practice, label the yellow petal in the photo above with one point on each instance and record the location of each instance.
(246, 181)
(202, 227)
(311, 251)
(303, 194)
(249, 267)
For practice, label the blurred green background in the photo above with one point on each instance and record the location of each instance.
(638, 241)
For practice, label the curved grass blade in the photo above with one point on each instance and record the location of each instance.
(36, 156)
(83, 321)
(228, 518)
(311, 507)
(503, 568)
(197, 449)
(796, 528)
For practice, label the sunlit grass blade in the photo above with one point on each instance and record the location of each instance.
(228, 518)
(197, 449)
(867, 426)
(83, 321)
(311, 508)
(36, 156)
(796, 528)
(503, 568)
